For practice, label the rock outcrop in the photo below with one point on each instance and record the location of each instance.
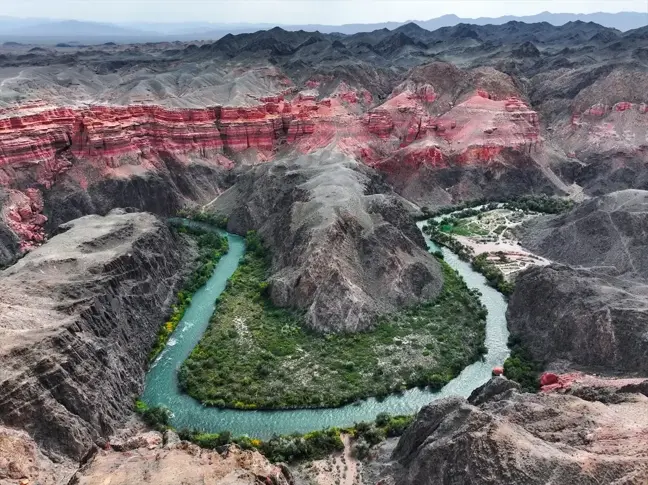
(181, 462)
(344, 247)
(607, 234)
(594, 311)
(77, 319)
(524, 439)
(22, 462)
(561, 313)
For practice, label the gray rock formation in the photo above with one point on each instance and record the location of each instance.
(343, 245)
(493, 388)
(9, 246)
(561, 313)
(608, 234)
(525, 439)
(597, 313)
(163, 192)
(77, 319)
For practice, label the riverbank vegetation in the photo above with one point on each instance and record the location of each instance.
(296, 447)
(494, 276)
(211, 218)
(480, 263)
(257, 356)
(521, 368)
(541, 203)
(210, 248)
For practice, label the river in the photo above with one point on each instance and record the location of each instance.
(161, 387)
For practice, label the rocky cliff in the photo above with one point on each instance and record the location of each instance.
(78, 318)
(593, 312)
(607, 234)
(180, 462)
(523, 439)
(561, 313)
(344, 247)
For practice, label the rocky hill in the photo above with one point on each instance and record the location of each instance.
(594, 311)
(607, 234)
(344, 246)
(78, 317)
(579, 317)
(502, 436)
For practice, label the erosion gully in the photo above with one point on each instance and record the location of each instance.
(161, 387)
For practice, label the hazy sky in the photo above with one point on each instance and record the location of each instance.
(299, 11)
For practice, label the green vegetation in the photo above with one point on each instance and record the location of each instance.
(257, 356)
(211, 218)
(292, 448)
(480, 263)
(442, 238)
(536, 203)
(368, 435)
(310, 446)
(540, 203)
(157, 417)
(521, 368)
(492, 273)
(462, 227)
(211, 247)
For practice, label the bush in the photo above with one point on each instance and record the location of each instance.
(157, 417)
(492, 273)
(211, 218)
(521, 368)
(311, 446)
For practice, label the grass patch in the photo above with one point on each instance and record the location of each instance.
(211, 247)
(463, 227)
(257, 356)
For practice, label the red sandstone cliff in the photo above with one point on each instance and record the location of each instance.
(401, 134)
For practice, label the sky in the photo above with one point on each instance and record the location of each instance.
(331, 12)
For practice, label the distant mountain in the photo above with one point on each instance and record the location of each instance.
(70, 29)
(622, 21)
(54, 31)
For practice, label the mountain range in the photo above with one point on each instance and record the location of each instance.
(51, 31)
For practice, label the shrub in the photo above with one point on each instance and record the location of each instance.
(521, 368)
(157, 417)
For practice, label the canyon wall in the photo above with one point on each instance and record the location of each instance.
(500, 435)
(78, 316)
(60, 163)
(593, 309)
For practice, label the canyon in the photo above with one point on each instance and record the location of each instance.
(448, 123)
(328, 146)
(79, 315)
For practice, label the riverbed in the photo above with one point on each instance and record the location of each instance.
(161, 387)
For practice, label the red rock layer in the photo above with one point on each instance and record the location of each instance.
(23, 214)
(399, 134)
(621, 128)
(49, 137)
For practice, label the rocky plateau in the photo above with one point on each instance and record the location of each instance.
(78, 318)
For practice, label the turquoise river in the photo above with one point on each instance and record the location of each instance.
(161, 387)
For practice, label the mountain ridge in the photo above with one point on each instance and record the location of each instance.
(39, 30)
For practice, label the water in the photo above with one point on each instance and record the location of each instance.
(161, 386)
